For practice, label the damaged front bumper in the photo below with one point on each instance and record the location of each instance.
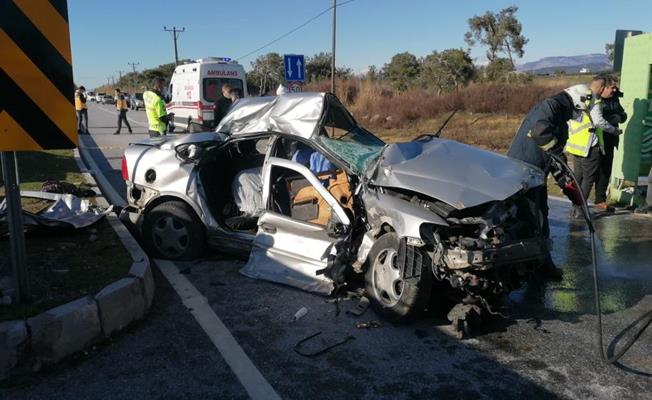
(535, 249)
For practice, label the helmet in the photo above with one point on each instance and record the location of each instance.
(581, 95)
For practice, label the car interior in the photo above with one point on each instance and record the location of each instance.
(292, 194)
(238, 166)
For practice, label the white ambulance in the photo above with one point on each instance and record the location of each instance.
(196, 86)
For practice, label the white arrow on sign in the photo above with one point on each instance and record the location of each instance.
(299, 68)
(289, 68)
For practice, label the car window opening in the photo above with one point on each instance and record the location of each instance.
(292, 195)
(237, 166)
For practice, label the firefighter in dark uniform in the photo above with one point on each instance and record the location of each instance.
(544, 130)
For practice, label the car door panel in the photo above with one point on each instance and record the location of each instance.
(289, 251)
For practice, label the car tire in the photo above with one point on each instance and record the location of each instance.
(395, 298)
(171, 230)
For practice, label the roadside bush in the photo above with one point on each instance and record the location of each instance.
(379, 105)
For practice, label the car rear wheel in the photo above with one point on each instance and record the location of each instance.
(171, 230)
(392, 295)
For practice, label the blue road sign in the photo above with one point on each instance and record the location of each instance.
(295, 67)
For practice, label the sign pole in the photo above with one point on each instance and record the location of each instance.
(16, 230)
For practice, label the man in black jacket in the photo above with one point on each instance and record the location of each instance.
(222, 104)
(614, 114)
(544, 130)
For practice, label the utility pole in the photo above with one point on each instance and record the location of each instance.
(108, 81)
(333, 50)
(133, 65)
(112, 80)
(175, 36)
(133, 78)
(119, 73)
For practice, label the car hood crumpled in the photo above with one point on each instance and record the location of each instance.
(458, 174)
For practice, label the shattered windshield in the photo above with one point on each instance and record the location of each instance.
(352, 143)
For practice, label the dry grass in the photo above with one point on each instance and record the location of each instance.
(377, 106)
(490, 131)
(488, 114)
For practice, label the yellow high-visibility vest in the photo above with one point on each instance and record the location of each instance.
(581, 134)
(155, 109)
(78, 103)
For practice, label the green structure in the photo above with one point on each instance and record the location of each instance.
(633, 157)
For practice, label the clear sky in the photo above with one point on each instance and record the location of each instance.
(106, 35)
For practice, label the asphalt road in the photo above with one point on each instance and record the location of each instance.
(544, 348)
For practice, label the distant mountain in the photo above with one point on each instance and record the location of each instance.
(570, 64)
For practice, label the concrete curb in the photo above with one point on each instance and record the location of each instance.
(61, 331)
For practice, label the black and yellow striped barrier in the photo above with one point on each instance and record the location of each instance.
(36, 84)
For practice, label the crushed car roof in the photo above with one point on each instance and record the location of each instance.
(293, 113)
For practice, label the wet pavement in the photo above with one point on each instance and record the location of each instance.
(544, 348)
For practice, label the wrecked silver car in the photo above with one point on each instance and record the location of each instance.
(314, 199)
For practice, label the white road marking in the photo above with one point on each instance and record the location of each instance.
(131, 120)
(244, 369)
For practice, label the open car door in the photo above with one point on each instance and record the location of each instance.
(298, 231)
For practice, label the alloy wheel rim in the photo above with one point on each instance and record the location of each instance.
(387, 281)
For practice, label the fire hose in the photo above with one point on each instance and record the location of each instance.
(568, 182)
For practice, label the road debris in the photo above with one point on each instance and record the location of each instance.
(368, 324)
(328, 346)
(300, 314)
(360, 308)
(68, 212)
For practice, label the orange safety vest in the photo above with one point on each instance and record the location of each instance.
(121, 103)
(78, 103)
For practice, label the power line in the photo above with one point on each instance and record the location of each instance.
(293, 30)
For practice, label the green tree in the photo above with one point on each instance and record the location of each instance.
(267, 72)
(318, 67)
(497, 69)
(500, 32)
(450, 69)
(402, 70)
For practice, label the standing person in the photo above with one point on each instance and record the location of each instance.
(82, 111)
(222, 104)
(121, 107)
(586, 136)
(544, 130)
(614, 113)
(157, 116)
(236, 94)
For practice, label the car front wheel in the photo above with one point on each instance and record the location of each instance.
(171, 230)
(392, 295)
